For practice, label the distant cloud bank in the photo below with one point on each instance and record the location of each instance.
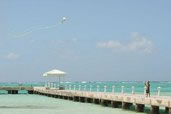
(139, 43)
(12, 56)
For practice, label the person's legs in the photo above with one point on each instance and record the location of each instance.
(148, 92)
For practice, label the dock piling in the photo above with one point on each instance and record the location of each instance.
(154, 109)
(169, 110)
(115, 104)
(126, 105)
(89, 100)
(139, 107)
(82, 99)
(30, 91)
(76, 98)
(96, 101)
(104, 102)
(166, 109)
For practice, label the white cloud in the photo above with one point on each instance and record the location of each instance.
(139, 43)
(110, 44)
(74, 40)
(12, 56)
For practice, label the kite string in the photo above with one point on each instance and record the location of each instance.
(33, 29)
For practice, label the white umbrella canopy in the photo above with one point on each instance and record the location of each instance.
(54, 73)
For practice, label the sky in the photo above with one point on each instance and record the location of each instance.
(113, 40)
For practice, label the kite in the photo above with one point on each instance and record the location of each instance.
(63, 20)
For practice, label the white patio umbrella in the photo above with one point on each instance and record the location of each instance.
(55, 73)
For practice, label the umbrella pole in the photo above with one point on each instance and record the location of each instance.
(59, 82)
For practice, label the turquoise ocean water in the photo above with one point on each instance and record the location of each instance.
(165, 87)
(35, 104)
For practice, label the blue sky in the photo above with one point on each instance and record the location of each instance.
(99, 41)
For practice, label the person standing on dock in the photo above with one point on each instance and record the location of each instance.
(147, 85)
(145, 88)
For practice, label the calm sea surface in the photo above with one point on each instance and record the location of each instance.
(35, 104)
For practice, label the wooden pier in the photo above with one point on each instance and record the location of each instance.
(14, 90)
(110, 99)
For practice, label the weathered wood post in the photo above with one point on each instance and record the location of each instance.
(69, 87)
(46, 85)
(51, 85)
(97, 88)
(74, 87)
(105, 88)
(133, 90)
(58, 86)
(90, 88)
(113, 89)
(85, 87)
(55, 86)
(158, 91)
(122, 90)
(66, 87)
(79, 88)
(144, 90)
